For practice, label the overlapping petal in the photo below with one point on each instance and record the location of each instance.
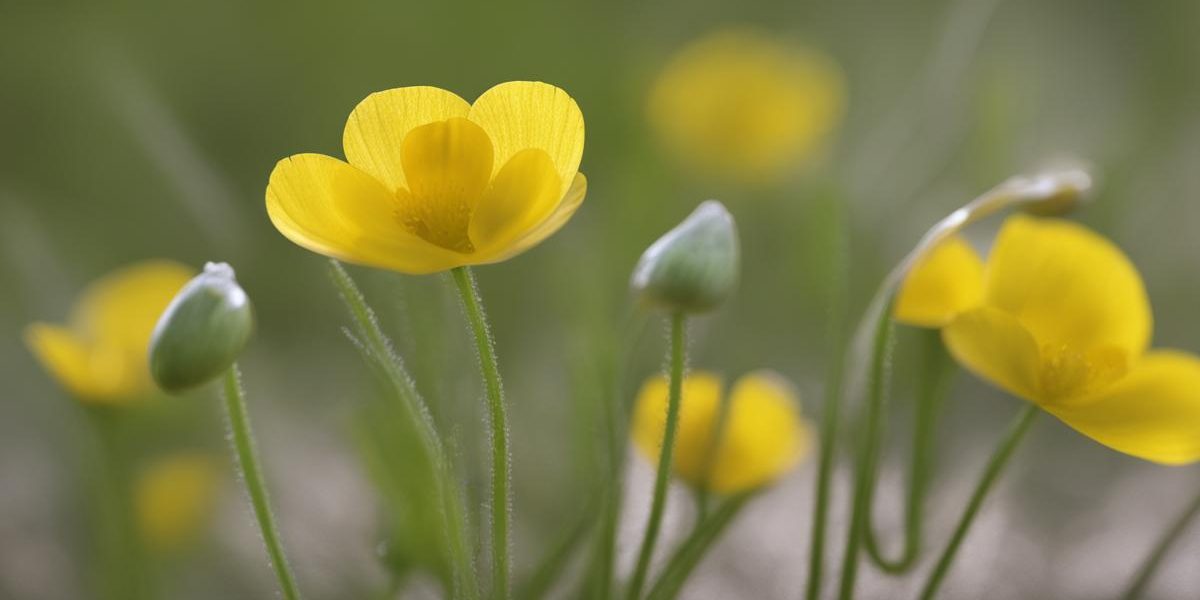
(519, 115)
(1152, 413)
(376, 129)
(332, 208)
(995, 346)
(764, 436)
(524, 194)
(945, 282)
(1068, 286)
(562, 213)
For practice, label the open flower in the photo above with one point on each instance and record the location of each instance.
(1063, 321)
(174, 497)
(763, 436)
(433, 183)
(745, 104)
(101, 355)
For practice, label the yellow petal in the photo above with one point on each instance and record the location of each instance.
(334, 209)
(122, 308)
(697, 416)
(566, 208)
(519, 115)
(376, 129)
(995, 346)
(69, 360)
(173, 499)
(524, 193)
(1152, 413)
(945, 282)
(1068, 286)
(764, 435)
(449, 165)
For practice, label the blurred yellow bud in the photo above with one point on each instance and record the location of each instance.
(201, 333)
(764, 435)
(174, 498)
(100, 356)
(745, 104)
(693, 267)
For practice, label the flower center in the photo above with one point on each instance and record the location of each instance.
(448, 165)
(1068, 374)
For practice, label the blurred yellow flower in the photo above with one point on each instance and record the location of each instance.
(433, 182)
(173, 499)
(943, 283)
(745, 104)
(764, 435)
(1064, 322)
(101, 355)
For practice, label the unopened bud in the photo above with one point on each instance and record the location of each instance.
(694, 267)
(202, 331)
(1055, 193)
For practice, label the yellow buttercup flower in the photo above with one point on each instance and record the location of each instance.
(173, 499)
(101, 355)
(764, 435)
(1063, 321)
(433, 182)
(745, 104)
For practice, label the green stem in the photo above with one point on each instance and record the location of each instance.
(498, 417)
(119, 545)
(1146, 573)
(933, 378)
(835, 310)
(1012, 438)
(703, 493)
(658, 503)
(247, 458)
(379, 353)
(868, 450)
(692, 550)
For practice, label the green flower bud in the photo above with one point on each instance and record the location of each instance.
(202, 331)
(694, 267)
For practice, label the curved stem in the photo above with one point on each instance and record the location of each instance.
(1146, 573)
(933, 377)
(1016, 432)
(247, 458)
(498, 418)
(678, 321)
(868, 450)
(835, 310)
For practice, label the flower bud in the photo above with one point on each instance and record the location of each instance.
(694, 267)
(1053, 193)
(202, 331)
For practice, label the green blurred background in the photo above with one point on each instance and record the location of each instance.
(131, 130)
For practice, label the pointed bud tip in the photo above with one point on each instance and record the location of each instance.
(202, 331)
(693, 267)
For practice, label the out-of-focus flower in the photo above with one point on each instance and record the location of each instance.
(173, 499)
(1063, 321)
(943, 283)
(745, 104)
(693, 267)
(101, 355)
(763, 436)
(202, 332)
(433, 182)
